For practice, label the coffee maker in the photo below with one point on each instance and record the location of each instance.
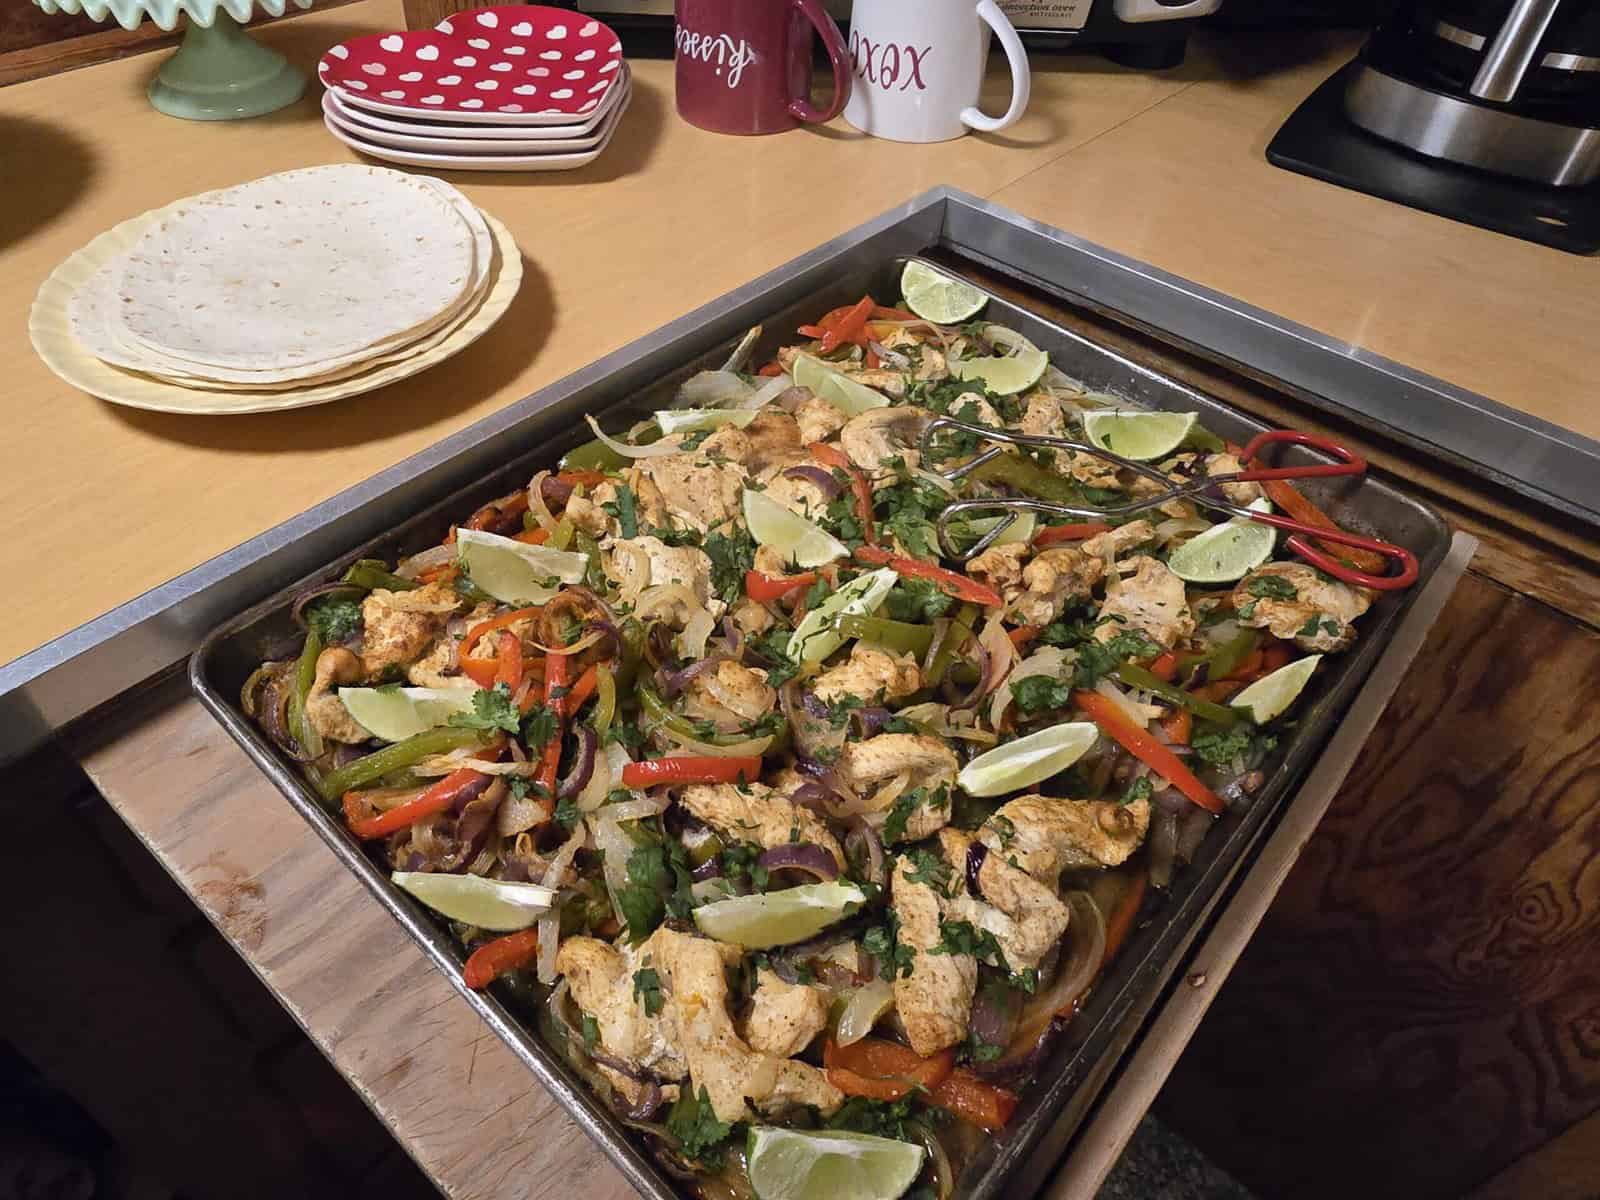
(1486, 111)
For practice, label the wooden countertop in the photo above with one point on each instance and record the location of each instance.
(1165, 167)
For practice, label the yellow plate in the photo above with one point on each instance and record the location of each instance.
(53, 341)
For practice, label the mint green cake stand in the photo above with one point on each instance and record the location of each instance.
(219, 73)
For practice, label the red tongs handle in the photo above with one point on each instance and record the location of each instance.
(1350, 462)
(1302, 535)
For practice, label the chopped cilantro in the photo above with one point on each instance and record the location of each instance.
(538, 727)
(883, 943)
(624, 733)
(731, 555)
(1222, 747)
(333, 619)
(1139, 789)
(880, 1118)
(491, 709)
(1004, 828)
(918, 601)
(739, 863)
(894, 826)
(962, 937)
(568, 814)
(929, 868)
(817, 593)
(647, 990)
(694, 439)
(658, 884)
(979, 1051)
(591, 1033)
(1040, 693)
(1272, 587)
(626, 510)
(1096, 660)
(693, 1121)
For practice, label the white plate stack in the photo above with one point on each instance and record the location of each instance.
(515, 88)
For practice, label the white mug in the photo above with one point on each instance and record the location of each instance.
(919, 68)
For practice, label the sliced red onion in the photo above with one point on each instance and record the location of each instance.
(344, 753)
(994, 1017)
(1236, 791)
(872, 719)
(863, 839)
(987, 681)
(322, 590)
(471, 792)
(820, 477)
(977, 853)
(801, 856)
(893, 357)
(828, 777)
(1163, 846)
(1171, 800)
(1192, 829)
(1085, 949)
(814, 705)
(583, 769)
(673, 682)
(792, 398)
(647, 1105)
(734, 636)
(814, 796)
(710, 869)
(554, 490)
(941, 630)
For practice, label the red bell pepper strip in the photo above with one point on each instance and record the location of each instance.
(882, 1069)
(1023, 635)
(532, 537)
(1178, 725)
(882, 312)
(1145, 748)
(850, 329)
(1054, 535)
(772, 370)
(489, 514)
(705, 769)
(860, 485)
(493, 959)
(508, 663)
(1164, 666)
(974, 1101)
(432, 802)
(581, 478)
(764, 589)
(588, 683)
(1120, 923)
(556, 674)
(482, 670)
(952, 583)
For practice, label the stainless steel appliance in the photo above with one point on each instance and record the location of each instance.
(1500, 97)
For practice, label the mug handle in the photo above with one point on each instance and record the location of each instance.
(1021, 76)
(801, 107)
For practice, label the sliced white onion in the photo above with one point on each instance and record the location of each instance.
(1001, 649)
(606, 776)
(437, 765)
(631, 568)
(537, 506)
(437, 556)
(946, 486)
(714, 750)
(1178, 526)
(696, 631)
(1140, 714)
(1007, 339)
(667, 601)
(770, 391)
(714, 389)
(709, 889)
(550, 923)
(655, 450)
(615, 847)
(635, 810)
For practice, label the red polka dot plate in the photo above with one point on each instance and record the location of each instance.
(513, 65)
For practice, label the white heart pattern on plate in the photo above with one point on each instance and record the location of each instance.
(467, 71)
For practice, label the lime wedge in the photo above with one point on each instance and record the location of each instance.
(1227, 552)
(935, 296)
(815, 637)
(1029, 760)
(683, 420)
(395, 715)
(863, 1009)
(788, 1164)
(842, 392)
(1020, 530)
(1141, 436)
(1270, 695)
(513, 572)
(491, 904)
(804, 544)
(1004, 376)
(795, 914)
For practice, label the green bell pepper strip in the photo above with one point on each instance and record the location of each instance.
(657, 710)
(900, 636)
(1217, 714)
(1022, 473)
(371, 573)
(1221, 662)
(561, 539)
(594, 456)
(633, 636)
(305, 674)
(596, 576)
(397, 757)
(960, 629)
(605, 705)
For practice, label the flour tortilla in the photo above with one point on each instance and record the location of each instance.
(298, 270)
(91, 310)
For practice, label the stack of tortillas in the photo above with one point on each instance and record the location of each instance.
(291, 281)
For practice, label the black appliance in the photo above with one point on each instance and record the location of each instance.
(1150, 34)
(1485, 111)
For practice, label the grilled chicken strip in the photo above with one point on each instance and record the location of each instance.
(871, 673)
(926, 762)
(785, 1017)
(758, 814)
(1025, 916)
(601, 979)
(694, 974)
(1044, 835)
(935, 1000)
(1151, 601)
(1319, 615)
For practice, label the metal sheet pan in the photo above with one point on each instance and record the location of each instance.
(1546, 465)
(1055, 1105)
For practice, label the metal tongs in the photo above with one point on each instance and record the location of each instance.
(1205, 492)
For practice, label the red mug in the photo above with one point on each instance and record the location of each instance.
(744, 66)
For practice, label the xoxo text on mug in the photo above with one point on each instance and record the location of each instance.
(919, 68)
(744, 66)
